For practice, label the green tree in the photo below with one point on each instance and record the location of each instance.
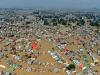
(96, 23)
(46, 22)
(71, 66)
(28, 22)
(54, 22)
(82, 22)
(62, 21)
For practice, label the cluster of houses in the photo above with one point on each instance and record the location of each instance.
(76, 48)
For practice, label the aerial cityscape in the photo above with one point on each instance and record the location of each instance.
(49, 37)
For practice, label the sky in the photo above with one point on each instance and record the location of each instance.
(50, 3)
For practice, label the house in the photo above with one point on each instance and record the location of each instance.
(98, 52)
(30, 61)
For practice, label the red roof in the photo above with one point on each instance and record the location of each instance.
(65, 49)
(35, 46)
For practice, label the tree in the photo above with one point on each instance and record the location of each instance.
(82, 22)
(96, 23)
(78, 23)
(62, 21)
(54, 22)
(46, 22)
(71, 67)
(28, 22)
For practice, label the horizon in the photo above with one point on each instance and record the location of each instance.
(58, 4)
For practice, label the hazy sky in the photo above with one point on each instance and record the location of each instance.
(51, 3)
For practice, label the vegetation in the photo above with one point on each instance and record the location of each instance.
(54, 22)
(71, 67)
(46, 22)
(96, 23)
(62, 21)
(28, 22)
